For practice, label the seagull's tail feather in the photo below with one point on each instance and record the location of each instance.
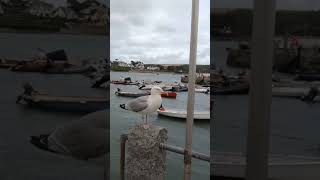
(123, 106)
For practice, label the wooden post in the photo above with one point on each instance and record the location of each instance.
(260, 89)
(191, 87)
(123, 140)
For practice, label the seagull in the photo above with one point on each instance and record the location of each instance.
(145, 104)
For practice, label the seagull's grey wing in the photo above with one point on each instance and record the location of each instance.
(138, 104)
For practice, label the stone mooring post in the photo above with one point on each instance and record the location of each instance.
(145, 160)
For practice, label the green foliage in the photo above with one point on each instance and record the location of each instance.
(120, 68)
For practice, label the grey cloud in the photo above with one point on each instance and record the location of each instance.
(157, 31)
(164, 29)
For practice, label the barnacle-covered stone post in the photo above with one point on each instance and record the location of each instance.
(145, 160)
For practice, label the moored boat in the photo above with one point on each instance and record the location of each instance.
(66, 103)
(138, 94)
(124, 83)
(179, 88)
(169, 94)
(40, 66)
(202, 90)
(5, 63)
(182, 114)
(131, 94)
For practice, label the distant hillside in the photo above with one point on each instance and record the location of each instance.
(89, 16)
(182, 68)
(300, 23)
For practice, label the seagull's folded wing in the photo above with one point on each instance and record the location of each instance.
(138, 104)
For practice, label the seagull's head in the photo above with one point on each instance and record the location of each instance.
(156, 90)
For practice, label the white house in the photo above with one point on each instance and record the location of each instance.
(153, 68)
(139, 65)
(122, 64)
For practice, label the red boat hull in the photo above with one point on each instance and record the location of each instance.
(169, 94)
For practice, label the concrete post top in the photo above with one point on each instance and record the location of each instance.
(154, 133)
(146, 160)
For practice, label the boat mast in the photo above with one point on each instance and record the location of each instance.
(260, 90)
(191, 88)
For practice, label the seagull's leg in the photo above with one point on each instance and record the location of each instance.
(146, 125)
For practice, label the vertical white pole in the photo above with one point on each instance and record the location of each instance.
(260, 89)
(191, 87)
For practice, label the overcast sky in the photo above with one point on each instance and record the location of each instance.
(281, 4)
(157, 31)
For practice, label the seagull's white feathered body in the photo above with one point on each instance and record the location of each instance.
(145, 104)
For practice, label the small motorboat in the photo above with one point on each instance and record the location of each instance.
(202, 90)
(124, 82)
(169, 94)
(77, 104)
(145, 93)
(5, 63)
(149, 86)
(131, 94)
(179, 88)
(41, 66)
(66, 103)
(182, 114)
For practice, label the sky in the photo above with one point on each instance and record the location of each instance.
(157, 31)
(281, 4)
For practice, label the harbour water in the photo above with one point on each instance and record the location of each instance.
(121, 120)
(19, 159)
(294, 124)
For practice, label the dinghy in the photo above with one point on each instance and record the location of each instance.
(169, 94)
(138, 94)
(179, 88)
(66, 103)
(282, 167)
(124, 82)
(131, 94)
(182, 114)
(5, 63)
(202, 90)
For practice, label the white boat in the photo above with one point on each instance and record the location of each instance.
(202, 90)
(201, 115)
(66, 103)
(281, 167)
